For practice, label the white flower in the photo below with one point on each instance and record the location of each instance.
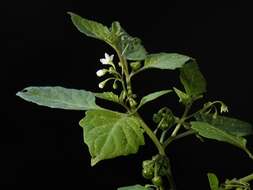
(107, 60)
(101, 72)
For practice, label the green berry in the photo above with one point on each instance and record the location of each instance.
(148, 173)
(157, 180)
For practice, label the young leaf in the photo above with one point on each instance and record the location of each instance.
(90, 28)
(152, 96)
(192, 79)
(230, 125)
(110, 96)
(208, 131)
(131, 47)
(213, 181)
(133, 187)
(59, 97)
(169, 61)
(110, 134)
(183, 97)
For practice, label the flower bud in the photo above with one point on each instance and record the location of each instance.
(102, 84)
(101, 72)
(135, 66)
(115, 86)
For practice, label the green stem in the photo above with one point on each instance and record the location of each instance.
(171, 182)
(152, 136)
(249, 153)
(181, 120)
(247, 178)
(160, 149)
(179, 136)
(149, 132)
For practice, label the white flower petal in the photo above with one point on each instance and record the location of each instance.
(107, 60)
(107, 56)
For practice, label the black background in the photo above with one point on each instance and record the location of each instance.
(41, 146)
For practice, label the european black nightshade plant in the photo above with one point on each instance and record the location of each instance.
(109, 133)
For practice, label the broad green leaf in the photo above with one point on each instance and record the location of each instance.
(183, 97)
(208, 131)
(90, 28)
(169, 61)
(192, 79)
(110, 96)
(213, 181)
(133, 187)
(110, 134)
(59, 97)
(152, 96)
(230, 125)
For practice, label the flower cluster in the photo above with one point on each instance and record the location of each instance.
(108, 60)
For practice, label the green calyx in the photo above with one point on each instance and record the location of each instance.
(164, 118)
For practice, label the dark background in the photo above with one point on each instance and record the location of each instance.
(41, 146)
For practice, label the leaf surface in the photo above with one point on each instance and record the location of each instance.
(111, 134)
(208, 131)
(230, 125)
(169, 61)
(133, 187)
(90, 28)
(213, 181)
(192, 79)
(152, 96)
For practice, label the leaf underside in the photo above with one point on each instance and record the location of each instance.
(59, 97)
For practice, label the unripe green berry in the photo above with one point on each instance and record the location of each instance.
(157, 180)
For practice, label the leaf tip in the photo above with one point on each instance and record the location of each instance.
(21, 93)
(70, 13)
(93, 162)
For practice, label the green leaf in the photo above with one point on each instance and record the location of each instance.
(192, 79)
(183, 97)
(133, 187)
(213, 181)
(131, 47)
(169, 61)
(110, 134)
(90, 28)
(230, 125)
(110, 96)
(59, 97)
(208, 131)
(152, 96)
